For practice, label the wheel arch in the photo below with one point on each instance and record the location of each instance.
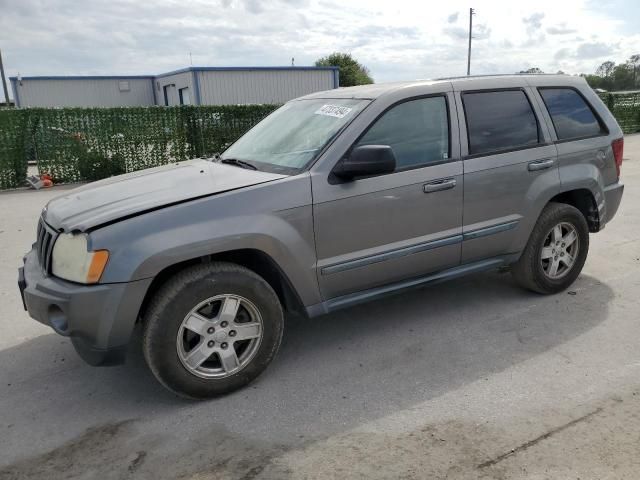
(255, 260)
(584, 200)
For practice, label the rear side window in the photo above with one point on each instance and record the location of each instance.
(571, 115)
(501, 120)
(417, 131)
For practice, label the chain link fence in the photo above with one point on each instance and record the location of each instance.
(85, 144)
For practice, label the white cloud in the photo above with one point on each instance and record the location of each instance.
(533, 22)
(560, 29)
(396, 40)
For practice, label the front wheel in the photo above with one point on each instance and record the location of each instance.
(212, 329)
(556, 250)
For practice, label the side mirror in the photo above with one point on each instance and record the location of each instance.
(366, 160)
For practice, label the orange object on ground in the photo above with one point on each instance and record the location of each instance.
(47, 181)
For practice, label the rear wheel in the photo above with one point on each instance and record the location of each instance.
(556, 250)
(212, 329)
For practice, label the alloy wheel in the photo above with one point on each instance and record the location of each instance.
(219, 336)
(560, 250)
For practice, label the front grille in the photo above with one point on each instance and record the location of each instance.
(44, 245)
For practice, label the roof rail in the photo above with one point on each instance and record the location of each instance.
(489, 75)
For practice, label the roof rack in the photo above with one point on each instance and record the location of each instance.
(460, 77)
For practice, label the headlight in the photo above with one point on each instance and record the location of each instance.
(71, 260)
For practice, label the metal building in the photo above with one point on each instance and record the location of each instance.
(189, 86)
(82, 91)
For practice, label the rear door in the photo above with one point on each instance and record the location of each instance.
(378, 230)
(510, 169)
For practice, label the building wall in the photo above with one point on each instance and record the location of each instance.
(231, 87)
(175, 82)
(196, 86)
(82, 92)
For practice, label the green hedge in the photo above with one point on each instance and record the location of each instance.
(80, 144)
(626, 108)
(13, 164)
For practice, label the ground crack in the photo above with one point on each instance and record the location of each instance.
(536, 440)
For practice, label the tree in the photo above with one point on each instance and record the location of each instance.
(622, 77)
(594, 81)
(634, 60)
(606, 69)
(531, 70)
(610, 76)
(351, 71)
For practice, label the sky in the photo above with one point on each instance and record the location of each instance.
(396, 40)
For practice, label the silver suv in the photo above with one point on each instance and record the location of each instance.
(336, 198)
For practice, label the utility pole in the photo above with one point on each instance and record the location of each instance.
(4, 82)
(471, 12)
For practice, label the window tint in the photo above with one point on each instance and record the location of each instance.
(418, 132)
(571, 116)
(499, 121)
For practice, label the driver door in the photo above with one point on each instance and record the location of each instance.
(383, 229)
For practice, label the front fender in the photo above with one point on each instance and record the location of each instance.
(261, 218)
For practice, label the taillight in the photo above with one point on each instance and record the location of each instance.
(618, 146)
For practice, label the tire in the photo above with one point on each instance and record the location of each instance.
(205, 314)
(536, 273)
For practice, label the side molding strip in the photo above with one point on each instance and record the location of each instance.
(378, 292)
(421, 247)
(483, 232)
(401, 252)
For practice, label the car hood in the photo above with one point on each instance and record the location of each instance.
(122, 196)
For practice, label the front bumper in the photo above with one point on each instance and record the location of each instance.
(98, 318)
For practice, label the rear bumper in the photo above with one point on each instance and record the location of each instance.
(98, 318)
(612, 198)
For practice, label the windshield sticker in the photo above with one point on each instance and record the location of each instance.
(333, 111)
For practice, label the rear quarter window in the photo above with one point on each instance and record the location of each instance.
(499, 121)
(570, 113)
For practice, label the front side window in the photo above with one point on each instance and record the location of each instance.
(417, 131)
(293, 136)
(571, 115)
(499, 121)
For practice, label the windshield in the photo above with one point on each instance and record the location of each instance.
(292, 136)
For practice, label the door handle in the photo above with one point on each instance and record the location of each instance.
(540, 165)
(439, 185)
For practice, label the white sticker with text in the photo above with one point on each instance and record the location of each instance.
(333, 111)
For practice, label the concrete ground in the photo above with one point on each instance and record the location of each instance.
(471, 379)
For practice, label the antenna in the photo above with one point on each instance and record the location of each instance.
(190, 59)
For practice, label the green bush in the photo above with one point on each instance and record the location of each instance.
(13, 163)
(86, 144)
(626, 108)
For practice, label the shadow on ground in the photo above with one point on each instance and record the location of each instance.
(333, 373)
